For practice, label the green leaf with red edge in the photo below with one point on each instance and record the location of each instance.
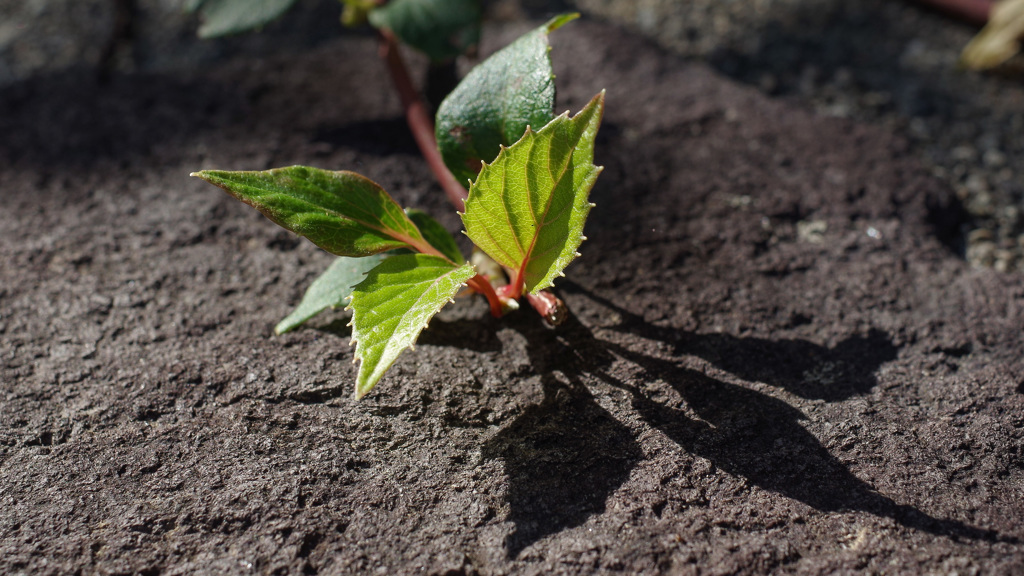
(341, 212)
(527, 209)
(394, 304)
(438, 236)
(496, 101)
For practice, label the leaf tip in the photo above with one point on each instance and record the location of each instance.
(560, 20)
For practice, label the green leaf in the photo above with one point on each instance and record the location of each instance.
(436, 234)
(496, 101)
(999, 40)
(341, 212)
(526, 210)
(440, 29)
(223, 17)
(394, 304)
(330, 290)
(355, 12)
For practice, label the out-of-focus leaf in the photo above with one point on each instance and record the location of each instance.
(223, 17)
(330, 290)
(496, 101)
(439, 28)
(356, 12)
(999, 40)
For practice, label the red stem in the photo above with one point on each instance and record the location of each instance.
(481, 285)
(422, 128)
(549, 306)
(420, 124)
(972, 11)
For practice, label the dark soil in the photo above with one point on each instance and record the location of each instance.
(776, 364)
(878, 61)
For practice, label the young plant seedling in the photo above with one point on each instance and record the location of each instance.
(525, 209)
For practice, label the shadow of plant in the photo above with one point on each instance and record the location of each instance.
(563, 457)
(801, 367)
(566, 455)
(753, 435)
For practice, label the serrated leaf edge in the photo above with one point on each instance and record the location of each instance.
(504, 151)
(354, 342)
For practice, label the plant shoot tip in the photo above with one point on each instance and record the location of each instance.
(375, 340)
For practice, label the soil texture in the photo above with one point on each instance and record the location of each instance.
(776, 361)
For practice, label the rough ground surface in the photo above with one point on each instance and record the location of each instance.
(776, 363)
(889, 63)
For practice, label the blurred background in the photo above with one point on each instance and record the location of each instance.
(889, 62)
